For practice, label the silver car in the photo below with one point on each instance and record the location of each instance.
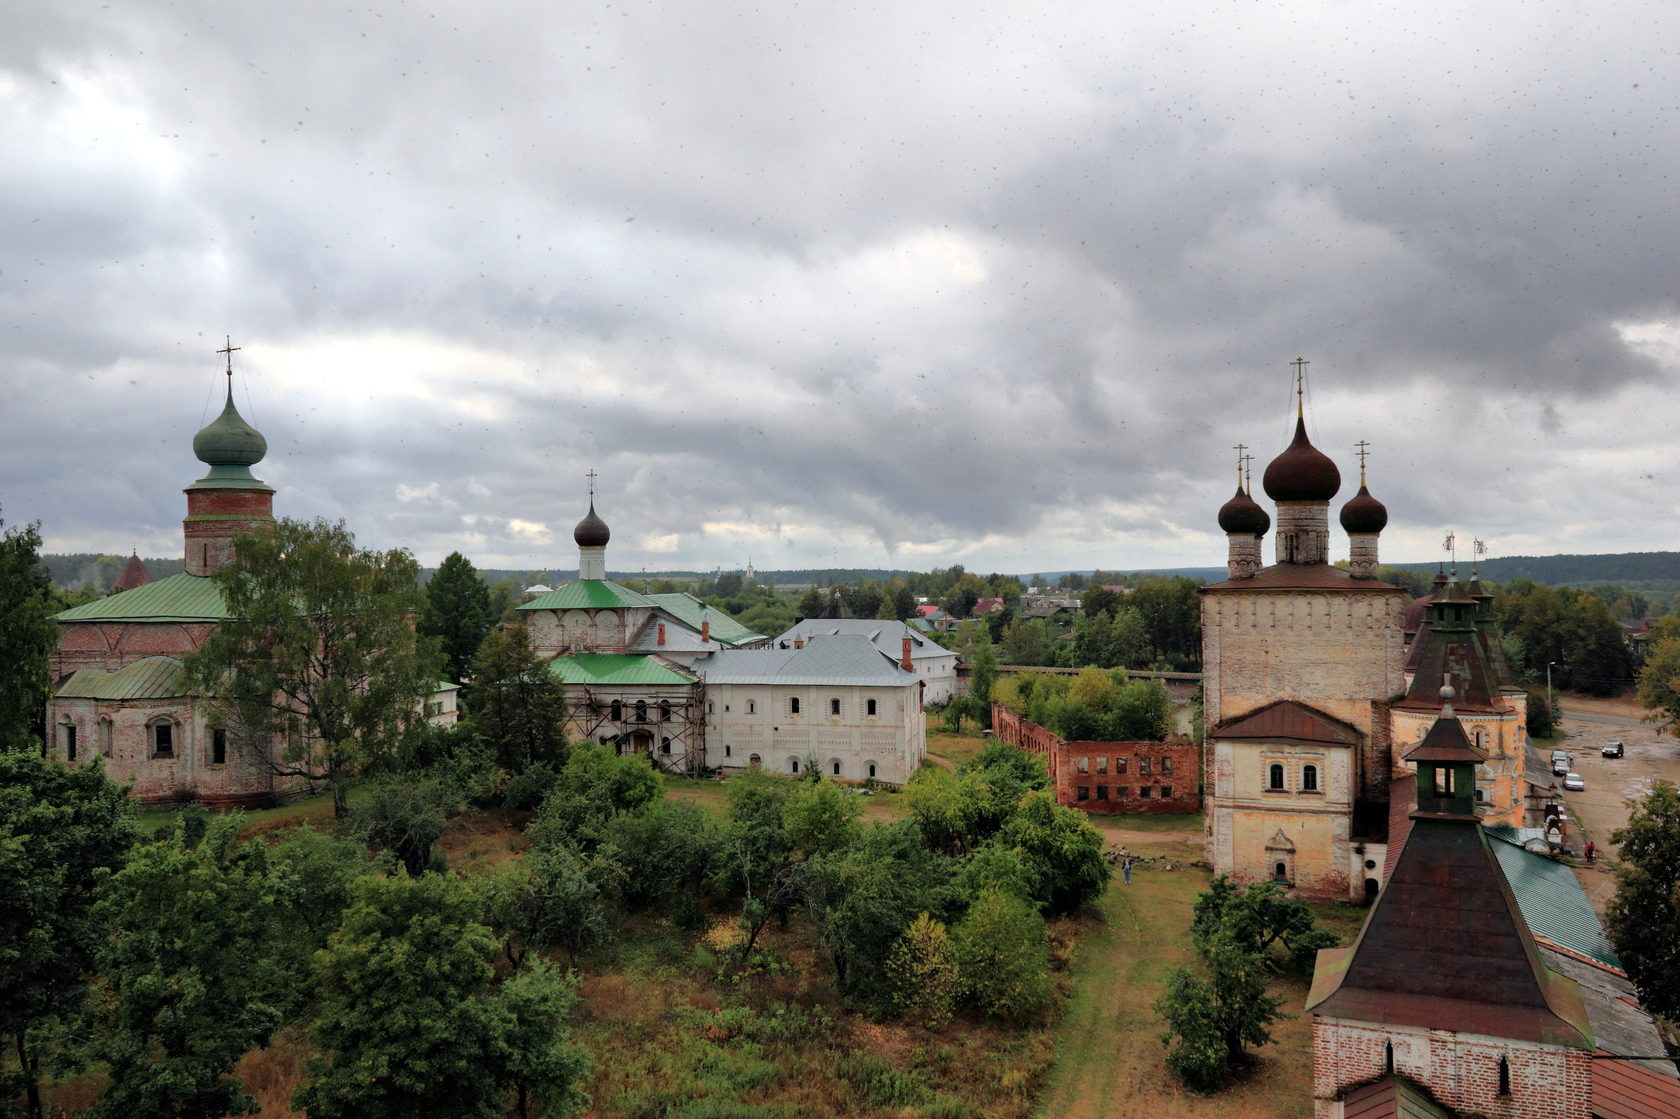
(1573, 783)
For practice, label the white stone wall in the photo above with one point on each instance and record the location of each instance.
(744, 720)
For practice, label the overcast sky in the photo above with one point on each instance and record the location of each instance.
(843, 284)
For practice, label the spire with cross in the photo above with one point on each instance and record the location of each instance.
(592, 476)
(1364, 449)
(1241, 458)
(229, 351)
(1300, 365)
(1450, 546)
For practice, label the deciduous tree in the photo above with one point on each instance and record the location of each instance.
(1061, 851)
(518, 706)
(188, 965)
(1211, 1021)
(1659, 680)
(27, 637)
(318, 649)
(1643, 919)
(1002, 953)
(922, 971)
(62, 830)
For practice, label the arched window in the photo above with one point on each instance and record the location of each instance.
(871, 707)
(641, 710)
(616, 712)
(755, 761)
(1481, 744)
(1274, 777)
(793, 706)
(1504, 1077)
(1388, 1057)
(1309, 778)
(834, 707)
(664, 710)
(162, 736)
(105, 735)
(752, 706)
(665, 746)
(67, 734)
(218, 746)
(834, 764)
(871, 769)
(793, 765)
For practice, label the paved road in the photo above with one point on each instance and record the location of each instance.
(1602, 807)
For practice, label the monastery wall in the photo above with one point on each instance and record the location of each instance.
(1462, 1070)
(124, 734)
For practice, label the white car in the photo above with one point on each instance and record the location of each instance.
(1573, 783)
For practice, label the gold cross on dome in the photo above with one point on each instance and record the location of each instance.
(591, 476)
(1240, 448)
(228, 350)
(1364, 449)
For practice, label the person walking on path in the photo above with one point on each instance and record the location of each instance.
(1126, 870)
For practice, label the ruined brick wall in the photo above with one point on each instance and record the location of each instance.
(1461, 1070)
(1110, 777)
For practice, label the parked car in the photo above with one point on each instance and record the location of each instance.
(1612, 749)
(1560, 762)
(1572, 783)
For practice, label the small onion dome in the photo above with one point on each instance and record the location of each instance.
(1302, 472)
(228, 440)
(592, 531)
(1364, 514)
(1243, 514)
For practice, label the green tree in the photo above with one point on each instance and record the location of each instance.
(1061, 851)
(545, 1067)
(819, 817)
(754, 859)
(1643, 919)
(903, 600)
(318, 649)
(62, 830)
(1211, 1021)
(1002, 952)
(1659, 680)
(458, 612)
(1257, 920)
(595, 785)
(922, 970)
(1171, 611)
(407, 1026)
(26, 639)
(728, 585)
(1027, 642)
(812, 604)
(406, 815)
(663, 851)
(188, 961)
(518, 706)
(1143, 711)
(982, 674)
(548, 899)
(1099, 601)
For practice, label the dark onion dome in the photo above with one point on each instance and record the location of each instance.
(1243, 514)
(1302, 472)
(1364, 514)
(228, 440)
(592, 531)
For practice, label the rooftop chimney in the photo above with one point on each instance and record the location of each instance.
(662, 633)
(904, 661)
(705, 629)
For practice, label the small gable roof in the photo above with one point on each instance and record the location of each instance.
(134, 574)
(835, 660)
(590, 594)
(691, 612)
(619, 670)
(887, 635)
(1287, 720)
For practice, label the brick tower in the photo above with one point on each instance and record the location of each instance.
(229, 499)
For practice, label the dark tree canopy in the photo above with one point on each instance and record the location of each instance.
(458, 612)
(518, 707)
(62, 830)
(27, 637)
(1643, 919)
(319, 651)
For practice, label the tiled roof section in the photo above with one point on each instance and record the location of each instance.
(838, 660)
(1286, 720)
(134, 574)
(619, 670)
(1393, 1097)
(1552, 900)
(1402, 799)
(888, 636)
(1445, 947)
(177, 598)
(1619, 1024)
(151, 678)
(692, 612)
(1630, 1090)
(590, 594)
(1305, 577)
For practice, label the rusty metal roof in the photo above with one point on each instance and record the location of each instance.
(1393, 1097)
(1446, 947)
(1305, 577)
(1287, 720)
(1445, 742)
(134, 574)
(1629, 1090)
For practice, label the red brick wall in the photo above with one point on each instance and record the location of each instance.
(1461, 1070)
(1118, 777)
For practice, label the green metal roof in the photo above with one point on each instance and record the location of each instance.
(178, 598)
(690, 611)
(616, 670)
(1551, 899)
(151, 678)
(590, 594)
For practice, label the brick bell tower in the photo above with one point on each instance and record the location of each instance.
(229, 499)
